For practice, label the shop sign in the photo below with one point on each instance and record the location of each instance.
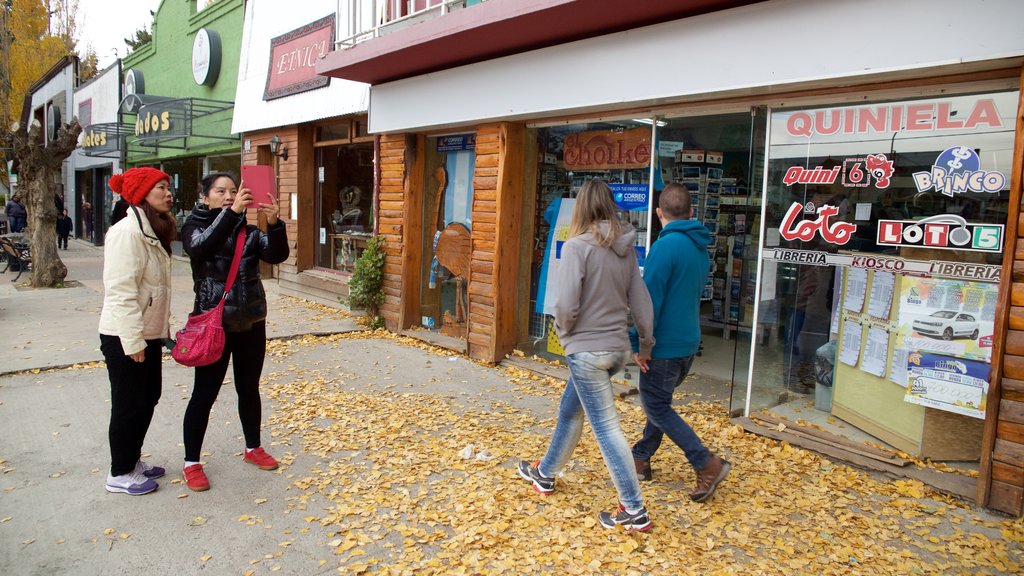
(92, 139)
(162, 119)
(816, 175)
(293, 58)
(631, 196)
(945, 231)
(206, 57)
(606, 149)
(957, 171)
(873, 169)
(833, 232)
(922, 268)
(890, 118)
(456, 143)
(950, 384)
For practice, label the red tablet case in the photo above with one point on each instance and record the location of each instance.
(260, 180)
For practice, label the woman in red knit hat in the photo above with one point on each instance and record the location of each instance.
(135, 320)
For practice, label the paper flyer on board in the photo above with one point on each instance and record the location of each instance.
(876, 351)
(849, 351)
(881, 294)
(856, 289)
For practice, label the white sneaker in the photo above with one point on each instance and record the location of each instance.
(132, 483)
(149, 471)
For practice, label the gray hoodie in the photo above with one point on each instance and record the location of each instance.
(596, 287)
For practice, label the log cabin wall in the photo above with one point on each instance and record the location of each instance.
(393, 185)
(296, 182)
(494, 264)
(1001, 486)
(259, 153)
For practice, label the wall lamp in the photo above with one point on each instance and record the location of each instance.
(277, 149)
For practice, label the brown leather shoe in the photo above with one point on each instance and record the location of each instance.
(709, 477)
(643, 469)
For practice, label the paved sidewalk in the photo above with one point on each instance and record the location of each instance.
(58, 327)
(372, 431)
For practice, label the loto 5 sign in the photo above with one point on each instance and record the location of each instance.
(945, 231)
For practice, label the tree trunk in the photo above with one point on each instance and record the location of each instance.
(38, 166)
(47, 267)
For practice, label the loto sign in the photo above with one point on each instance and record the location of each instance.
(793, 228)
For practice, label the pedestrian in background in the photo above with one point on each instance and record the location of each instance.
(599, 284)
(87, 218)
(64, 228)
(135, 320)
(209, 236)
(16, 213)
(120, 211)
(675, 273)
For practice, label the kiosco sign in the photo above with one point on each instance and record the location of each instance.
(945, 231)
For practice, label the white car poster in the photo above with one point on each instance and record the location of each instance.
(949, 317)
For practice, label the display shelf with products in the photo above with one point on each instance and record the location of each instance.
(723, 206)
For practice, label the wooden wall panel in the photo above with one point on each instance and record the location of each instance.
(392, 189)
(480, 337)
(1006, 497)
(1001, 443)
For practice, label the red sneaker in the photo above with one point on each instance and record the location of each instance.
(195, 478)
(260, 458)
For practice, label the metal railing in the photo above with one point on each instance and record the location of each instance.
(361, 20)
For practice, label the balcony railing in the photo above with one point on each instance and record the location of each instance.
(361, 20)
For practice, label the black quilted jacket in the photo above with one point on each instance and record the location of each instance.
(209, 238)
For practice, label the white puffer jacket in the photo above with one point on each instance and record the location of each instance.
(136, 284)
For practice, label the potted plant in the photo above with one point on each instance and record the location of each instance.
(366, 286)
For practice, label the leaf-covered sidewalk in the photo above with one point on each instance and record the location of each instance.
(418, 477)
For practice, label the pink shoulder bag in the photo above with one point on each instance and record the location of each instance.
(201, 341)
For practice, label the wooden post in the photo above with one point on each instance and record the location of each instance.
(1010, 494)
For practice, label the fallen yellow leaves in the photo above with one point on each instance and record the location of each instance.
(400, 499)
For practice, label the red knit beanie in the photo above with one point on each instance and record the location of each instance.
(135, 184)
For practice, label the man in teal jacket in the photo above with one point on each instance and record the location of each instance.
(675, 273)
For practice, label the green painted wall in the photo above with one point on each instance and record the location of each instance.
(166, 63)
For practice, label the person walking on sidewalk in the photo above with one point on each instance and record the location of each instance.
(209, 236)
(64, 228)
(675, 273)
(134, 321)
(599, 283)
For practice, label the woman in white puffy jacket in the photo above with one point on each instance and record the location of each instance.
(135, 320)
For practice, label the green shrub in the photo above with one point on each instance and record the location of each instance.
(366, 287)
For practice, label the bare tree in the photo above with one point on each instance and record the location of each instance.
(38, 167)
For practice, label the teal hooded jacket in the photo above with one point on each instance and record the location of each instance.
(675, 273)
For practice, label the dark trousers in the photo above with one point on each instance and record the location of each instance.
(62, 241)
(657, 387)
(134, 393)
(246, 350)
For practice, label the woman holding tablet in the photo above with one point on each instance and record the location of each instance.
(209, 236)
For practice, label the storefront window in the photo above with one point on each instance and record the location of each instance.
(344, 203)
(617, 152)
(712, 156)
(884, 230)
(449, 162)
(186, 174)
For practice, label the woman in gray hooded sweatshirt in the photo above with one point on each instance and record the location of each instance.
(599, 282)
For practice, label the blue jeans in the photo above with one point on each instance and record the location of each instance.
(589, 391)
(656, 388)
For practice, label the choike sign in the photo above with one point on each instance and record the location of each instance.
(293, 58)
